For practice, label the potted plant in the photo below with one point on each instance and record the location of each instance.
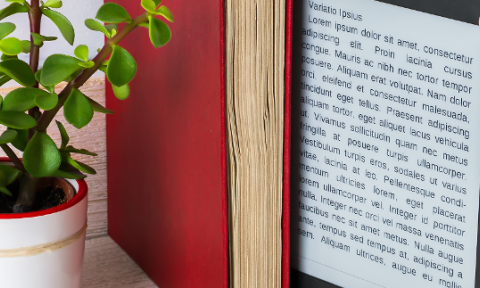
(42, 216)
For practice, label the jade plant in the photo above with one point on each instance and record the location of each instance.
(27, 111)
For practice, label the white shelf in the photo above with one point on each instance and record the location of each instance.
(107, 265)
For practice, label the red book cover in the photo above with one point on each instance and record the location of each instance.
(166, 151)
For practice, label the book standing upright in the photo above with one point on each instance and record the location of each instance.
(177, 231)
(167, 196)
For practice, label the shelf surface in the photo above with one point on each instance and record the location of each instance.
(107, 265)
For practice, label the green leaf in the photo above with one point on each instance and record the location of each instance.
(21, 141)
(63, 134)
(57, 68)
(18, 101)
(8, 174)
(157, 2)
(66, 158)
(62, 23)
(25, 46)
(112, 13)
(71, 149)
(12, 173)
(77, 109)
(99, 108)
(8, 57)
(111, 28)
(8, 136)
(37, 114)
(69, 172)
(85, 168)
(17, 120)
(22, 99)
(68, 175)
(47, 101)
(41, 157)
(3, 80)
(6, 29)
(12, 9)
(74, 75)
(18, 71)
(121, 67)
(50, 89)
(16, 1)
(121, 92)
(53, 4)
(165, 12)
(97, 26)
(159, 32)
(88, 64)
(103, 68)
(11, 46)
(81, 52)
(38, 75)
(149, 6)
(144, 24)
(6, 191)
(39, 39)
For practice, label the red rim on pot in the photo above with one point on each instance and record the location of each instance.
(79, 196)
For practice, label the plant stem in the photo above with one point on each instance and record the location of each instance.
(76, 83)
(26, 195)
(35, 17)
(28, 183)
(11, 155)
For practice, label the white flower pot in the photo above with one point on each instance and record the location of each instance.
(44, 249)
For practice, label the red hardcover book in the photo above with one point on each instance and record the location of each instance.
(166, 152)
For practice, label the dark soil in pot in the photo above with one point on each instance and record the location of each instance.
(50, 193)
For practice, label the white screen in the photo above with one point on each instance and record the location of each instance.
(385, 144)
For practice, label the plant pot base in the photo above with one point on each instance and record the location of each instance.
(59, 268)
